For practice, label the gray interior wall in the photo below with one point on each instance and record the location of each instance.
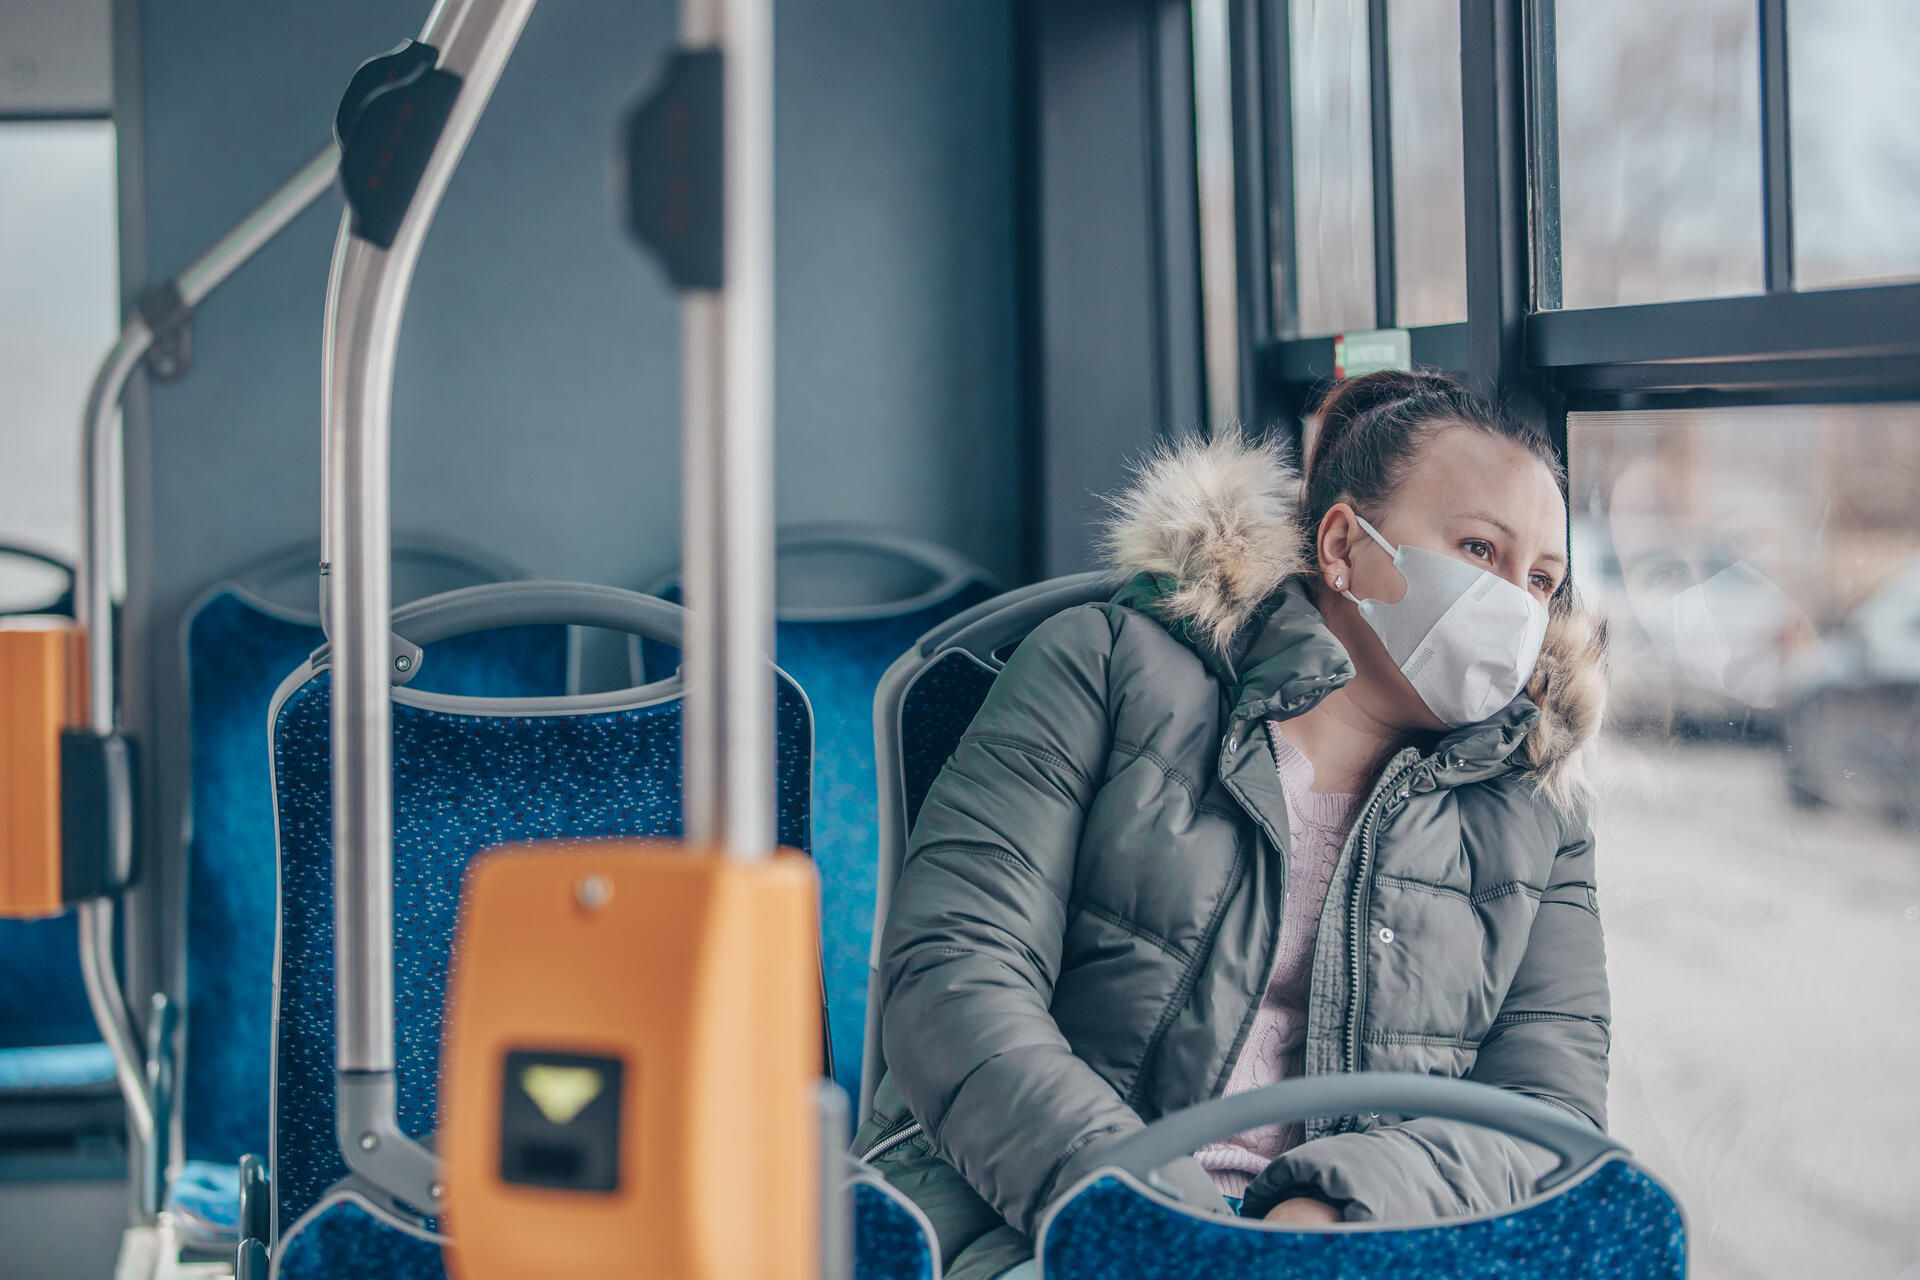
(536, 407)
(1117, 325)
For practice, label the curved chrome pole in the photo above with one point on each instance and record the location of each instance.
(109, 1006)
(93, 594)
(93, 588)
(366, 299)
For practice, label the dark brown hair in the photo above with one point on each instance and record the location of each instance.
(1374, 428)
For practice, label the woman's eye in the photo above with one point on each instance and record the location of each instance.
(1475, 547)
(1543, 583)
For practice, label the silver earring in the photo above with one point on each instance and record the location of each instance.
(1339, 584)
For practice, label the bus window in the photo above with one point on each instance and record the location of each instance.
(1659, 127)
(1759, 571)
(58, 285)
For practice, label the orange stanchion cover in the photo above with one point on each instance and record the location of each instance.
(629, 1066)
(43, 690)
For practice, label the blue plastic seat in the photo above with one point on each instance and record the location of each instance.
(48, 1041)
(837, 643)
(1597, 1216)
(242, 639)
(923, 704)
(469, 774)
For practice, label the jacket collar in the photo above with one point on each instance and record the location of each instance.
(1286, 659)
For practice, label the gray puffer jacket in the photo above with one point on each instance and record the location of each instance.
(1090, 903)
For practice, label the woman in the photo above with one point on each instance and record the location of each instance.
(1304, 797)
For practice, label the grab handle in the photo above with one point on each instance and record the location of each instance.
(531, 604)
(1311, 1097)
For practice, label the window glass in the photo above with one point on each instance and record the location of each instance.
(1429, 168)
(1854, 100)
(1659, 121)
(58, 286)
(1332, 166)
(1759, 819)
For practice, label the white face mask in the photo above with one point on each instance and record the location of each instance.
(1721, 634)
(1466, 639)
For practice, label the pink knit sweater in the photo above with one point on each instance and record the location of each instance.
(1275, 1047)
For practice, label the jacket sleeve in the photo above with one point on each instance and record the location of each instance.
(971, 947)
(1549, 1040)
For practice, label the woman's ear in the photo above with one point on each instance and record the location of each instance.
(1333, 547)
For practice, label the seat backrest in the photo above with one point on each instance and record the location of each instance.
(922, 707)
(242, 639)
(837, 647)
(468, 774)
(1616, 1221)
(42, 1000)
(1593, 1214)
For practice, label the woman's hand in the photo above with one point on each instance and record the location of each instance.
(1304, 1211)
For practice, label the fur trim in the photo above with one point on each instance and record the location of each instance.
(1217, 516)
(1569, 685)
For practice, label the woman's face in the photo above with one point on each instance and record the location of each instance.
(1474, 496)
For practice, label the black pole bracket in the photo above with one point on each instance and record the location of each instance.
(675, 175)
(389, 121)
(170, 320)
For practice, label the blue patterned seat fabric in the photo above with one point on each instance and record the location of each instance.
(238, 652)
(341, 1237)
(463, 783)
(838, 663)
(891, 1240)
(934, 714)
(1613, 1222)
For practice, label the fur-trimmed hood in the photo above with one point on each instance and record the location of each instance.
(1216, 520)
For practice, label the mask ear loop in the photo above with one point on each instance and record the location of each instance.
(1386, 546)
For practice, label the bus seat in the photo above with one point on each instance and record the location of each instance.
(850, 600)
(469, 773)
(924, 703)
(1597, 1216)
(242, 638)
(52, 1063)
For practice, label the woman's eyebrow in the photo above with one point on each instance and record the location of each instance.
(1551, 557)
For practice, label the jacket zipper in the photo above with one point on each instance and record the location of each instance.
(1366, 835)
(1273, 939)
(888, 1141)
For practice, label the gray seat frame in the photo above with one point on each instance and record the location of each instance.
(982, 633)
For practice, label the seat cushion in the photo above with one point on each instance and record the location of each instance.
(204, 1200)
(59, 1066)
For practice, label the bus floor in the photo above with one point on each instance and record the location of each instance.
(56, 1227)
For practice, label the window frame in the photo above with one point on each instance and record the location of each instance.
(1781, 346)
